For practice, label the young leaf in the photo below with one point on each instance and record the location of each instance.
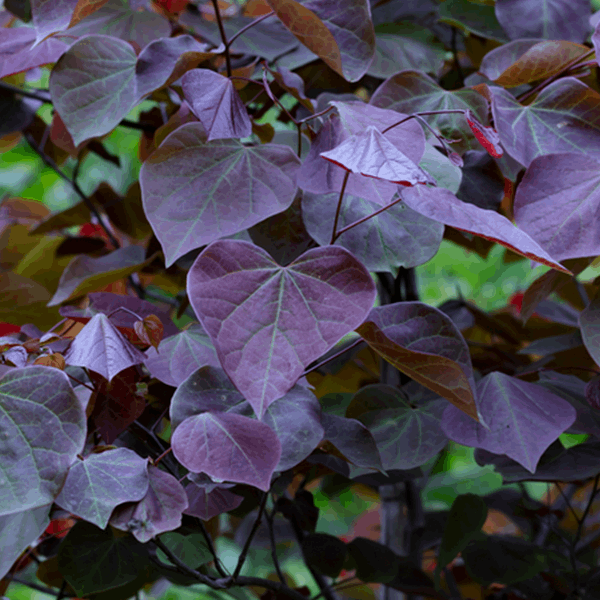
(522, 419)
(486, 136)
(100, 347)
(443, 206)
(424, 343)
(291, 315)
(96, 485)
(371, 154)
(35, 402)
(228, 447)
(158, 511)
(187, 188)
(150, 330)
(217, 104)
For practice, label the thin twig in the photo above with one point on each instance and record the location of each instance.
(215, 4)
(254, 529)
(63, 590)
(269, 517)
(335, 235)
(332, 357)
(211, 547)
(243, 30)
(344, 229)
(27, 93)
(34, 586)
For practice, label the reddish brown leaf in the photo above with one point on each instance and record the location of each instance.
(150, 330)
(55, 360)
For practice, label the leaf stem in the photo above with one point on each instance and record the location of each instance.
(269, 516)
(338, 210)
(254, 529)
(215, 4)
(243, 30)
(159, 458)
(332, 357)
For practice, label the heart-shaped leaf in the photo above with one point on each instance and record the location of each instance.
(149, 330)
(564, 117)
(290, 315)
(96, 485)
(158, 511)
(371, 154)
(522, 419)
(443, 206)
(187, 188)
(375, 563)
(228, 447)
(99, 346)
(424, 343)
(559, 213)
(217, 104)
(35, 404)
(206, 503)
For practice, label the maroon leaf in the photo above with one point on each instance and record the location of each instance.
(267, 322)
(158, 511)
(522, 419)
(559, 213)
(373, 155)
(228, 447)
(180, 355)
(217, 104)
(150, 330)
(443, 206)
(17, 53)
(549, 19)
(592, 392)
(35, 404)
(99, 346)
(564, 117)
(486, 136)
(195, 192)
(424, 343)
(96, 485)
(206, 503)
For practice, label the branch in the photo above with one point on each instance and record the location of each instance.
(335, 235)
(223, 36)
(34, 586)
(246, 547)
(278, 570)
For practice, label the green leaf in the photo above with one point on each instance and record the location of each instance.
(191, 549)
(375, 563)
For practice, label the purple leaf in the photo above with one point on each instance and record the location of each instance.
(424, 343)
(522, 419)
(50, 16)
(564, 117)
(349, 21)
(206, 503)
(371, 154)
(42, 428)
(196, 192)
(17, 53)
(296, 419)
(353, 440)
(443, 206)
(86, 274)
(92, 100)
(158, 511)
(228, 447)
(207, 389)
(180, 355)
(589, 322)
(548, 19)
(267, 322)
(100, 346)
(397, 237)
(164, 60)
(215, 101)
(120, 19)
(17, 531)
(412, 91)
(407, 434)
(96, 485)
(559, 213)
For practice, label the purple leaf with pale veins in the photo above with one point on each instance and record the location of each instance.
(443, 206)
(564, 117)
(523, 419)
(42, 428)
(424, 343)
(371, 154)
(93, 85)
(217, 104)
(557, 203)
(206, 503)
(158, 511)
(96, 485)
(101, 347)
(180, 355)
(196, 192)
(548, 19)
(589, 322)
(228, 447)
(50, 16)
(267, 322)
